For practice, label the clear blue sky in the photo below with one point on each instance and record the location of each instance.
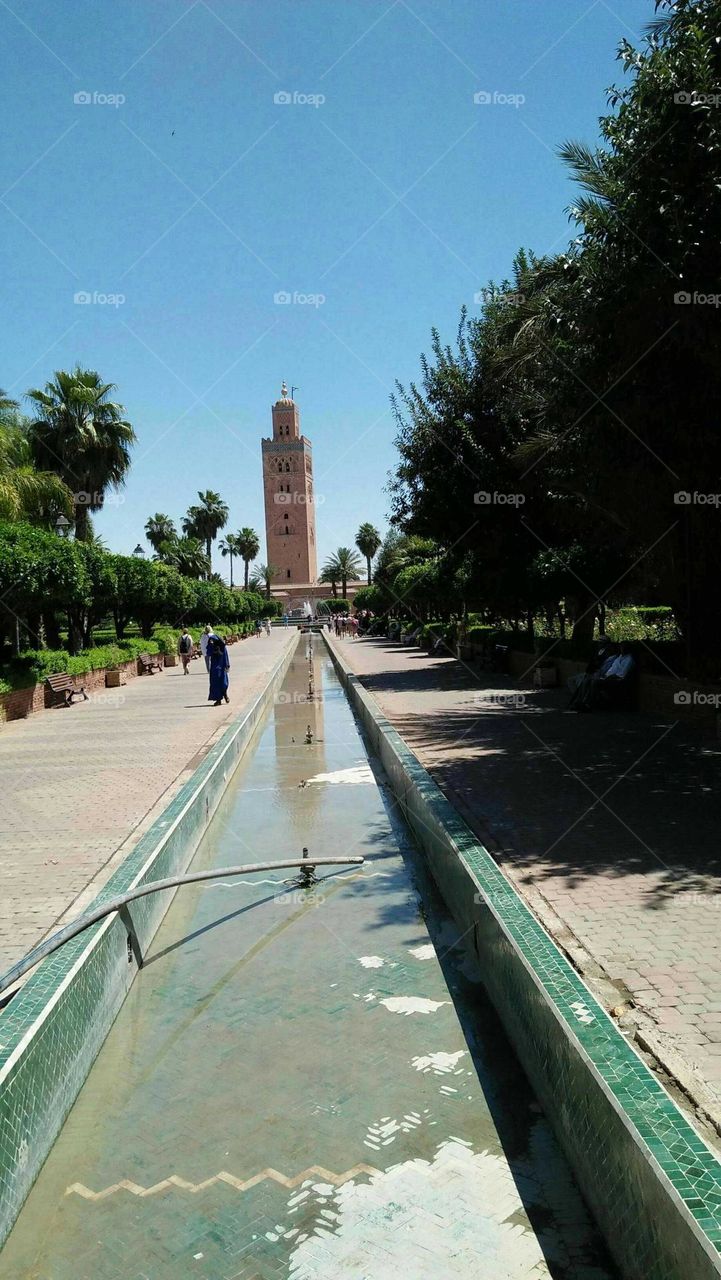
(200, 197)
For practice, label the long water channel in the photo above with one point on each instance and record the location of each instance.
(306, 1082)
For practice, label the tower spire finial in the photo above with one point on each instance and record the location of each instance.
(283, 391)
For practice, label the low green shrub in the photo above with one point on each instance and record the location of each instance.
(479, 633)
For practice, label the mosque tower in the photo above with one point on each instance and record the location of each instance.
(288, 492)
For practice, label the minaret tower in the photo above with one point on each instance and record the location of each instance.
(289, 502)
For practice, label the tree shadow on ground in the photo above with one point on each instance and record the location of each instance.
(559, 796)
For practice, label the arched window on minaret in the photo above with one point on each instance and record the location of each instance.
(280, 466)
(287, 466)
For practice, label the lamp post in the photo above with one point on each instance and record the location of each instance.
(62, 526)
(139, 551)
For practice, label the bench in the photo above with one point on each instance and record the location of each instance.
(148, 665)
(62, 690)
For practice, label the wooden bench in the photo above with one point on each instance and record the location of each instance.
(148, 665)
(62, 690)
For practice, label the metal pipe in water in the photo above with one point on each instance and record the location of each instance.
(71, 930)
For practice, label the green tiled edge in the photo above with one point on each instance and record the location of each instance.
(52, 1031)
(653, 1183)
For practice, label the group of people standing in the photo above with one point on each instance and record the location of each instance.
(214, 652)
(343, 625)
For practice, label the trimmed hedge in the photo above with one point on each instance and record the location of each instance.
(32, 666)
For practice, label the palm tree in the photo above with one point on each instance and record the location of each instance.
(186, 555)
(330, 572)
(206, 518)
(262, 579)
(229, 547)
(158, 529)
(248, 548)
(368, 541)
(26, 493)
(343, 565)
(81, 435)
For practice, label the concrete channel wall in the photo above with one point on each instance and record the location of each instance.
(652, 1183)
(51, 1032)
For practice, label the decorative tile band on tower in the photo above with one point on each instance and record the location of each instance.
(289, 497)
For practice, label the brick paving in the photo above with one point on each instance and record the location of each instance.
(608, 824)
(81, 785)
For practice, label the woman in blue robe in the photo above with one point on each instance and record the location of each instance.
(218, 668)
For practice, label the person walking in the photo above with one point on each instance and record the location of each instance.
(204, 647)
(218, 666)
(258, 627)
(267, 626)
(185, 649)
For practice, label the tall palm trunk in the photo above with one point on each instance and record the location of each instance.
(368, 569)
(247, 571)
(344, 583)
(81, 522)
(231, 570)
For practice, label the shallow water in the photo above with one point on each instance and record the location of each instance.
(306, 1083)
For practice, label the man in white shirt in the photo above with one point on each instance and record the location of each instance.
(620, 666)
(614, 686)
(204, 647)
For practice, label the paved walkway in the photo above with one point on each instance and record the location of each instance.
(609, 825)
(80, 786)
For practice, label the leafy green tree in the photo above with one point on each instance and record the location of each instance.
(248, 547)
(159, 529)
(36, 565)
(79, 433)
(368, 541)
(206, 518)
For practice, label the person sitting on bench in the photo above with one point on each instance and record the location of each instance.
(605, 656)
(613, 685)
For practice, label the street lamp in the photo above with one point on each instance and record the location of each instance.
(62, 526)
(139, 551)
